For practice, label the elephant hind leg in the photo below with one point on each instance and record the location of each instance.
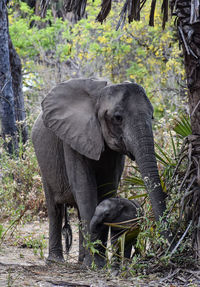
(55, 236)
(55, 214)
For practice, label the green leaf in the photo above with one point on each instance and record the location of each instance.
(135, 180)
(173, 145)
(183, 126)
(94, 250)
(165, 163)
(1, 230)
(138, 196)
(166, 160)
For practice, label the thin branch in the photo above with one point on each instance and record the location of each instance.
(184, 41)
(197, 105)
(5, 86)
(171, 275)
(181, 239)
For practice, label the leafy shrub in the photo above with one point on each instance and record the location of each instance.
(21, 187)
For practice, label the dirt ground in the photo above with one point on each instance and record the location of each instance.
(22, 263)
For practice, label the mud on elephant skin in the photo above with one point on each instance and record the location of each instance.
(85, 129)
(117, 210)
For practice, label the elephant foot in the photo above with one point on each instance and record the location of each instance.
(80, 259)
(99, 261)
(52, 258)
(115, 271)
(81, 255)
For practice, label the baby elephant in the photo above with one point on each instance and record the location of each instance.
(115, 210)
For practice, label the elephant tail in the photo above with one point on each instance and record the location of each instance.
(67, 231)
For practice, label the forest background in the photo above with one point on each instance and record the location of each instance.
(56, 48)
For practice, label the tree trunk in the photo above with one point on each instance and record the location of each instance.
(16, 72)
(6, 91)
(189, 31)
(192, 67)
(37, 7)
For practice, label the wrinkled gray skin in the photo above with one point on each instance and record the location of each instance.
(80, 139)
(115, 210)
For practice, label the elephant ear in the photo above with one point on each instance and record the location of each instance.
(69, 111)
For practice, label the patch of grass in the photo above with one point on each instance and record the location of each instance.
(37, 244)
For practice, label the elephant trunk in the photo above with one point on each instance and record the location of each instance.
(142, 148)
(95, 224)
(149, 171)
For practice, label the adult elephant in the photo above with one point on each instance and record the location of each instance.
(80, 138)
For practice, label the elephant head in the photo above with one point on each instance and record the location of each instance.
(88, 114)
(113, 210)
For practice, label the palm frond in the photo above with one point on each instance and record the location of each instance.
(127, 224)
(137, 196)
(135, 180)
(105, 10)
(183, 126)
(175, 150)
(130, 10)
(75, 6)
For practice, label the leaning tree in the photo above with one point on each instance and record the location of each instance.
(187, 16)
(7, 112)
(12, 111)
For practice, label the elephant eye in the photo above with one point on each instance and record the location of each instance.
(106, 213)
(118, 118)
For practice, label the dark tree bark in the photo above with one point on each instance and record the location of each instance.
(16, 72)
(188, 23)
(192, 67)
(8, 122)
(30, 3)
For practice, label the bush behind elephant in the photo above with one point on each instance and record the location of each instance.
(80, 138)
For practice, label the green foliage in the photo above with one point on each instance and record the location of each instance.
(29, 41)
(37, 244)
(1, 231)
(91, 246)
(21, 187)
(183, 126)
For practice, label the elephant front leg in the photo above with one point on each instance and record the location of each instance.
(83, 184)
(87, 238)
(84, 256)
(55, 238)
